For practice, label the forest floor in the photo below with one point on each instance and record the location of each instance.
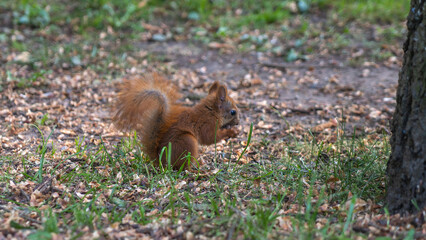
(313, 165)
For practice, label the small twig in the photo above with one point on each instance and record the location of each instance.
(303, 111)
(296, 110)
(23, 193)
(22, 216)
(284, 67)
(237, 211)
(281, 67)
(360, 229)
(116, 136)
(55, 189)
(45, 186)
(231, 231)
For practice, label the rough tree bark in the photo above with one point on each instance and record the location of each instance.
(406, 169)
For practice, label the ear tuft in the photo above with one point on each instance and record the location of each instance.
(214, 87)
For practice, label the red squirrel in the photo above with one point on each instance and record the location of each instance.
(148, 105)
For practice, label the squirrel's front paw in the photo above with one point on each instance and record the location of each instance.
(232, 132)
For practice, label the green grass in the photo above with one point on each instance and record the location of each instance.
(82, 14)
(106, 185)
(235, 14)
(368, 11)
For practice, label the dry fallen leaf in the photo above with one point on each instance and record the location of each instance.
(216, 45)
(321, 127)
(285, 223)
(67, 132)
(360, 205)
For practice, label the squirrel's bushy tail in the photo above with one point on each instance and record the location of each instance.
(143, 104)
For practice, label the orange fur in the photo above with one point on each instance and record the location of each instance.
(148, 105)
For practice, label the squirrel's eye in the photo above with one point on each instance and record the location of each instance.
(233, 112)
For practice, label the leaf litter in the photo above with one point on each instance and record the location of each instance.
(284, 101)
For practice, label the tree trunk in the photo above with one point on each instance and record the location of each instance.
(406, 169)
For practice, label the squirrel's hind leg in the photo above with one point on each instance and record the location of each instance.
(184, 152)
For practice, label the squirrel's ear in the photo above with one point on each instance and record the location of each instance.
(214, 87)
(221, 93)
